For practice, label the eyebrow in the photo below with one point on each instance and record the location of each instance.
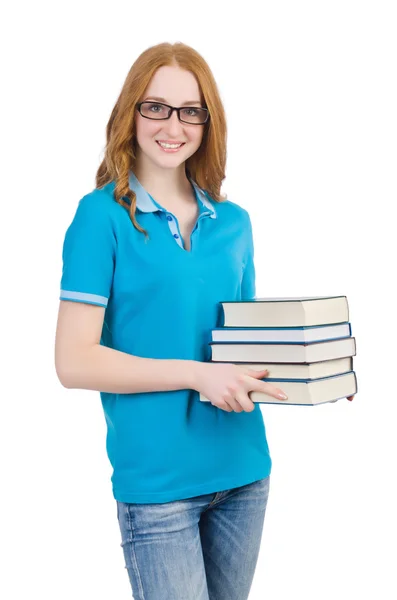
(188, 103)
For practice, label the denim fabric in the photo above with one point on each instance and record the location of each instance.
(200, 548)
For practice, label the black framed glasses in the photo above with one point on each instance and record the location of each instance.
(187, 114)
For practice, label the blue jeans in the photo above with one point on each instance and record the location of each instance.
(200, 548)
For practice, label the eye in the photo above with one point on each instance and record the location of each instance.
(191, 111)
(151, 106)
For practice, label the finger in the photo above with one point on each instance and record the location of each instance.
(244, 402)
(228, 403)
(268, 388)
(350, 397)
(257, 373)
(223, 406)
(234, 404)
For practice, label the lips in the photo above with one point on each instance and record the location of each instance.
(180, 143)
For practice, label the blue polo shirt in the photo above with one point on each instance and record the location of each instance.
(162, 302)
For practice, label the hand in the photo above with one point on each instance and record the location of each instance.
(350, 397)
(227, 385)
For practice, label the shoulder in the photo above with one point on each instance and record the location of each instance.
(232, 210)
(99, 204)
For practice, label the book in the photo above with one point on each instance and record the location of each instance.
(304, 393)
(281, 334)
(281, 352)
(306, 344)
(285, 312)
(317, 370)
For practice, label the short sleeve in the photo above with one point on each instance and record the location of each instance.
(248, 287)
(88, 253)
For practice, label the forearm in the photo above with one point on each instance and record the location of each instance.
(107, 370)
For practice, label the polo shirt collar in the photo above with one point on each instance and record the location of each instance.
(145, 202)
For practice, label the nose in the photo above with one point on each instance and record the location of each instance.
(174, 126)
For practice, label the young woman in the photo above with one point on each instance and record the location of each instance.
(148, 257)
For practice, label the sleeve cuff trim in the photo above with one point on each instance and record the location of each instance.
(80, 297)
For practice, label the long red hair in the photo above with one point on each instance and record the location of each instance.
(206, 166)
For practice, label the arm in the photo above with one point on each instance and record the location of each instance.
(83, 363)
(89, 254)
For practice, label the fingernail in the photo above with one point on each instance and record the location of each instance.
(282, 396)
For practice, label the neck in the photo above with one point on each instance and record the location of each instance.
(165, 185)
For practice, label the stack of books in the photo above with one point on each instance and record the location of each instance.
(305, 343)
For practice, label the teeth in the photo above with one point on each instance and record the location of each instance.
(169, 145)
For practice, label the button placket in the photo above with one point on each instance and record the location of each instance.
(174, 228)
(172, 223)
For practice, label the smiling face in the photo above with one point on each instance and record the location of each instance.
(176, 87)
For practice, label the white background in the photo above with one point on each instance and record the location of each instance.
(317, 172)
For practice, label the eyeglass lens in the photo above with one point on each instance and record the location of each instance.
(190, 114)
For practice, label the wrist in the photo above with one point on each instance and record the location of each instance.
(193, 372)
